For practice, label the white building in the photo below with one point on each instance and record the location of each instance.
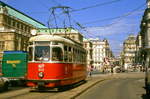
(101, 51)
(88, 46)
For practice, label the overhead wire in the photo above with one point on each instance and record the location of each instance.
(55, 2)
(79, 25)
(43, 4)
(84, 8)
(101, 4)
(110, 2)
(117, 17)
(127, 14)
(96, 5)
(82, 28)
(105, 26)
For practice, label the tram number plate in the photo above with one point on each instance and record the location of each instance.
(41, 83)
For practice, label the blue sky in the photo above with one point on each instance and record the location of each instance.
(110, 19)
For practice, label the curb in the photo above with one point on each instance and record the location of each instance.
(73, 97)
(73, 93)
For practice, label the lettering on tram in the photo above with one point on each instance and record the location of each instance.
(41, 67)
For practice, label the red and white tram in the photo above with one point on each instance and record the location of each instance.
(55, 61)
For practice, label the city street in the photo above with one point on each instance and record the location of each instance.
(75, 49)
(121, 88)
(100, 86)
(116, 89)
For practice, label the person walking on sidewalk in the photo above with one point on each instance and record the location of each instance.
(90, 70)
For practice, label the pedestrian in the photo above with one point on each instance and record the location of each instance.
(90, 73)
(90, 70)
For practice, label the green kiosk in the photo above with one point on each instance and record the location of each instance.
(14, 66)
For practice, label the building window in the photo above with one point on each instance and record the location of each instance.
(2, 44)
(73, 37)
(21, 26)
(9, 21)
(85, 45)
(28, 30)
(25, 27)
(18, 25)
(14, 23)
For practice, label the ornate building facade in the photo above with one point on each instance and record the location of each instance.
(70, 33)
(101, 53)
(144, 51)
(129, 51)
(87, 44)
(15, 29)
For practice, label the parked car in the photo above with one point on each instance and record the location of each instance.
(117, 69)
(4, 83)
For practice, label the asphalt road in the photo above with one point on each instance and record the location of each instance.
(121, 88)
(100, 86)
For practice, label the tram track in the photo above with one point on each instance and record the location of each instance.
(35, 95)
(27, 94)
(13, 93)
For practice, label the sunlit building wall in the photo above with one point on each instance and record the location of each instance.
(129, 50)
(87, 44)
(15, 29)
(101, 51)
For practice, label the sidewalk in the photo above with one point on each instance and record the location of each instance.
(71, 94)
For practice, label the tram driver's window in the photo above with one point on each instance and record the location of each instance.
(42, 53)
(57, 54)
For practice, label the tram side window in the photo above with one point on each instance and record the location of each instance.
(78, 57)
(30, 53)
(74, 55)
(66, 53)
(85, 57)
(70, 54)
(57, 54)
(82, 57)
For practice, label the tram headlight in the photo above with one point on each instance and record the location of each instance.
(41, 74)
